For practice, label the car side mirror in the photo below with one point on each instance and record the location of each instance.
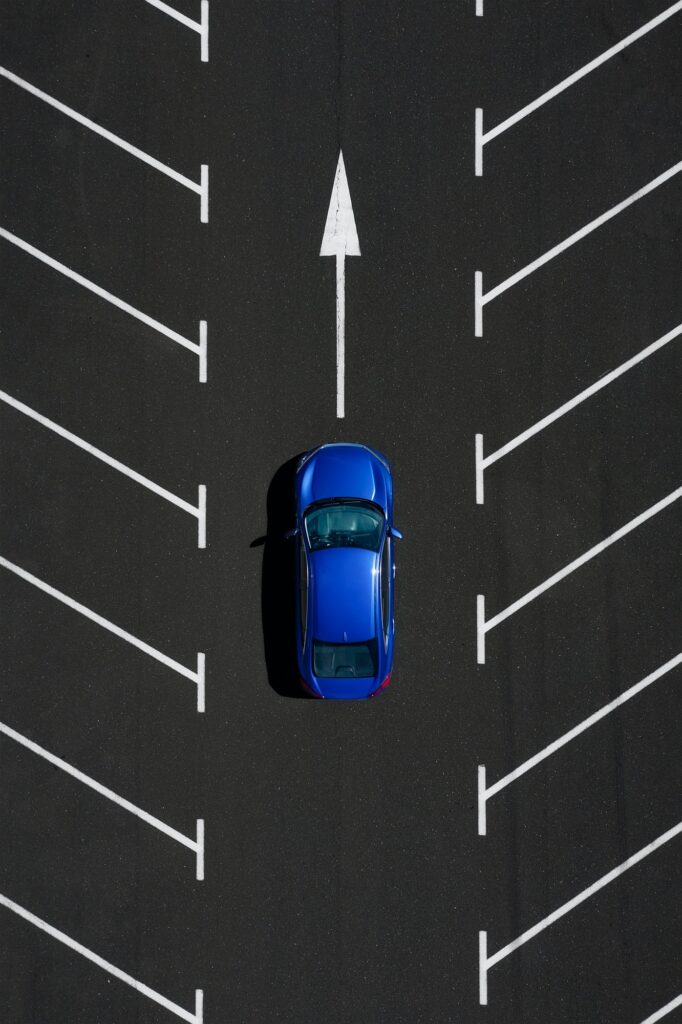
(396, 533)
(291, 533)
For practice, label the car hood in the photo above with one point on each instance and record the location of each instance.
(343, 471)
(343, 595)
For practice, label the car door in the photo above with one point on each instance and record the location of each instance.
(302, 588)
(386, 590)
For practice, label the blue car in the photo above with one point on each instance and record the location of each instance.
(345, 571)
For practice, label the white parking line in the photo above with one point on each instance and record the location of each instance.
(483, 138)
(198, 349)
(197, 26)
(483, 626)
(482, 463)
(201, 188)
(203, 212)
(486, 962)
(192, 844)
(197, 677)
(481, 299)
(198, 511)
(486, 792)
(200, 848)
(478, 135)
(664, 1011)
(192, 1018)
(479, 8)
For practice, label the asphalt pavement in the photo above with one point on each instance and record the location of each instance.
(346, 876)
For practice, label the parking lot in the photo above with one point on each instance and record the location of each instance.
(496, 838)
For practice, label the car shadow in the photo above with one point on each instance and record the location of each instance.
(278, 584)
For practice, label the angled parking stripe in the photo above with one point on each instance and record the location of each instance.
(482, 462)
(196, 845)
(197, 26)
(201, 187)
(485, 792)
(199, 349)
(482, 298)
(481, 137)
(197, 677)
(664, 1011)
(198, 511)
(484, 625)
(486, 961)
(196, 1017)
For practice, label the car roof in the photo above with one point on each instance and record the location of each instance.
(343, 594)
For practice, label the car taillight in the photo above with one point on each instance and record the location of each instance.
(308, 689)
(383, 686)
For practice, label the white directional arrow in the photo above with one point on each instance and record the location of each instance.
(340, 239)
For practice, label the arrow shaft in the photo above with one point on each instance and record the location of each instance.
(340, 335)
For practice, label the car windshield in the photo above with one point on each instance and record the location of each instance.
(344, 525)
(345, 661)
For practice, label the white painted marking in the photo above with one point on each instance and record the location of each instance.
(196, 677)
(200, 848)
(480, 462)
(479, 8)
(552, 417)
(483, 968)
(478, 303)
(664, 1011)
(199, 511)
(486, 962)
(482, 796)
(480, 629)
(110, 137)
(201, 682)
(478, 143)
(340, 232)
(145, 990)
(149, 819)
(578, 235)
(203, 351)
(171, 11)
(204, 194)
(204, 33)
(340, 336)
(340, 239)
(197, 26)
(484, 793)
(578, 562)
(103, 294)
(585, 70)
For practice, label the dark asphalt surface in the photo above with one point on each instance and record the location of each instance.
(345, 881)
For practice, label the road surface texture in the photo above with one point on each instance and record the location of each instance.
(346, 881)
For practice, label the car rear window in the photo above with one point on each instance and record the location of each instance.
(345, 661)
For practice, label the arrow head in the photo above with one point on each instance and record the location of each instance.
(340, 234)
